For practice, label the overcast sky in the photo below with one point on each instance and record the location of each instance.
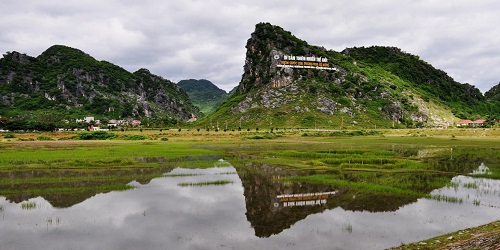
(206, 38)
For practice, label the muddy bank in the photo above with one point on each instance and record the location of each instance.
(482, 237)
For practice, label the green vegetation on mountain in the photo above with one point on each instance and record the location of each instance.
(64, 83)
(464, 99)
(204, 94)
(376, 87)
(493, 104)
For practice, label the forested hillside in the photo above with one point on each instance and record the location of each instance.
(64, 83)
(464, 99)
(287, 82)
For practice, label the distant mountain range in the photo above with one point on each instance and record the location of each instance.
(286, 83)
(204, 94)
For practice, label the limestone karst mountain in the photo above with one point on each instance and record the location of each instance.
(64, 82)
(289, 83)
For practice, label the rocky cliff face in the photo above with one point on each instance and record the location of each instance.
(265, 49)
(67, 80)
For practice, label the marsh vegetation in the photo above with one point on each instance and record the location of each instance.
(376, 172)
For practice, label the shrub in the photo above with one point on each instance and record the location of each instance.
(9, 135)
(96, 135)
(43, 138)
(264, 136)
(134, 137)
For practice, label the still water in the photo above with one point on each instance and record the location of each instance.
(251, 212)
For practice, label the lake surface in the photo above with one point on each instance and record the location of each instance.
(252, 211)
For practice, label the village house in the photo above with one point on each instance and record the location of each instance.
(112, 123)
(94, 128)
(470, 123)
(88, 119)
(136, 122)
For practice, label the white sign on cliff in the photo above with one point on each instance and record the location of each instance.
(303, 62)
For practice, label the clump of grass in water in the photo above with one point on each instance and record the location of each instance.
(204, 183)
(50, 220)
(28, 205)
(476, 202)
(445, 198)
(180, 175)
(348, 228)
(228, 173)
(1, 208)
(472, 185)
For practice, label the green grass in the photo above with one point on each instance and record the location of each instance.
(83, 169)
(13, 154)
(330, 180)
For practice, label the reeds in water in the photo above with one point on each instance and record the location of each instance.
(28, 205)
(204, 183)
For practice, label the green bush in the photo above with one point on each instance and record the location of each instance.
(264, 136)
(43, 138)
(134, 137)
(96, 135)
(9, 136)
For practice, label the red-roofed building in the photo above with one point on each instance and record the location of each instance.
(136, 123)
(471, 123)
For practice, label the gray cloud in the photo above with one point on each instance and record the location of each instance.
(206, 39)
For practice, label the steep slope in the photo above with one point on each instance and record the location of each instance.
(68, 83)
(204, 94)
(493, 94)
(288, 83)
(462, 98)
(493, 104)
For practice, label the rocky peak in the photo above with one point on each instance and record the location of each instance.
(267, 45)
(493, 94)
(17, 57)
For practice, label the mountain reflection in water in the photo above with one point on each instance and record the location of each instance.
(269, 215)
(247, 213)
